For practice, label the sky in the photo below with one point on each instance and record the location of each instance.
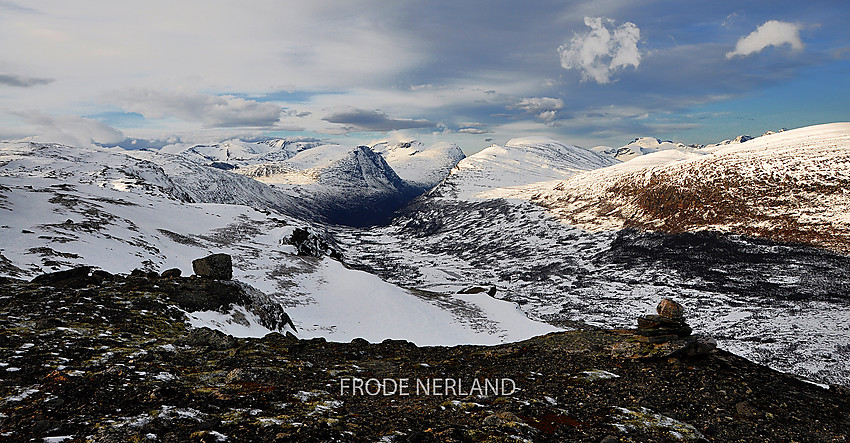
(473, 72)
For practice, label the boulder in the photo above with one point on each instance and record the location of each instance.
(70, 278)
(490, 290)
(172, 273)
(669, 309)
(215, 266)
(700, 346)
(312, 244)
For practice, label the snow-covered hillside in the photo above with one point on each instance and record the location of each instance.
(63, 206)
(782, 305)
(520, 161)
(421, 166)
(792, 186)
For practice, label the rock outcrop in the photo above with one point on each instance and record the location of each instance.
(215, 266)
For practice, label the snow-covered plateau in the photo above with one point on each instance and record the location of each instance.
(751, 235)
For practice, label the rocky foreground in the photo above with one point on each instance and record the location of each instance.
(99, 357)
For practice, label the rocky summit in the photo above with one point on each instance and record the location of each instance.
(89, 356)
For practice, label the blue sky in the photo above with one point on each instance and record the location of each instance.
(473, 72)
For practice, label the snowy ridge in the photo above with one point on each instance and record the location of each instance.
(519, 162)
(237, 153)
(228, 151)
(642, 146)
(205, 184)
(421, 166)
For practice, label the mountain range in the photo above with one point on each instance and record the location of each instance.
(422, 243)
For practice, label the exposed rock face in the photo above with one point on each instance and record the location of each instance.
(215, 266)
(313, 245)
(209, 338)
(490, 290)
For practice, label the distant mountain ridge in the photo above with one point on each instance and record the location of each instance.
(649, 145)
(348, 185)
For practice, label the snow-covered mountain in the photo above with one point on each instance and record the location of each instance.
(751, 237)
(231, 151)
(343, 185)
(641, 146)
(519, 162)
(64, 206)
(421, 166)
(349, 185)
(558, 246)
(650, 145)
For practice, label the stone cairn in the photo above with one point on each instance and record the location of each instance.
(668, 325)
(668, 332)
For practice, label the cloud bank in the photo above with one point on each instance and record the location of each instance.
(603, 51)
(211, 110)
(22, 82)
(771, 33)
(70, 130)
(373, 120)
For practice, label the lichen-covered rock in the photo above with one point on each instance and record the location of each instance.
(670, 309)
(501, 418)
(215, 266)
(119, 362)
(656, 321)
(206, 337)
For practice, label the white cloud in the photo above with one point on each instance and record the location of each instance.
(771, 33)
(73, 131)
(544, 108)
(602, 51)
(474, 131)
(211, 110)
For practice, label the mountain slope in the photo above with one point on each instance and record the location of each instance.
(792, 186)
(421, 166)
(343, 185)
